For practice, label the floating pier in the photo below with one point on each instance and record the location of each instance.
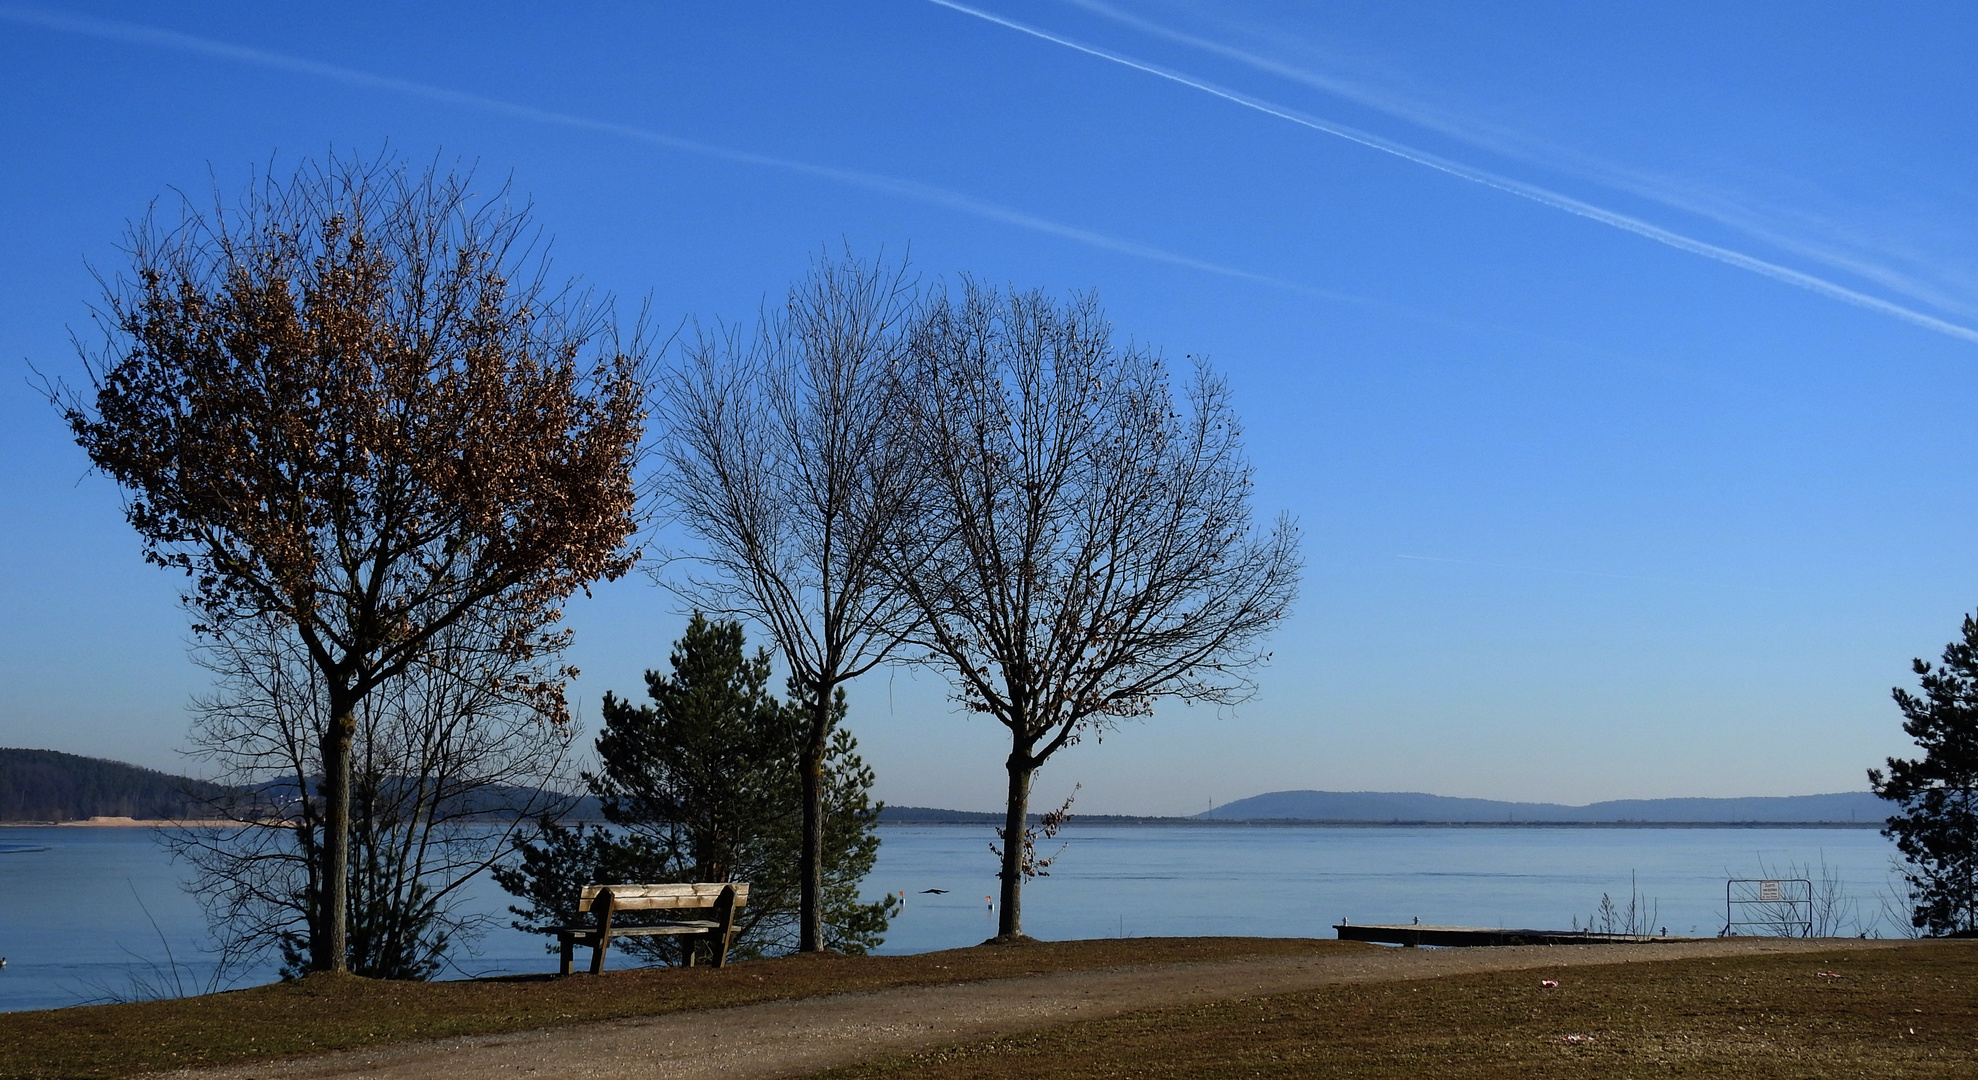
(1471, 936)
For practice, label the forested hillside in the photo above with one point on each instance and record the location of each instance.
(47, 785)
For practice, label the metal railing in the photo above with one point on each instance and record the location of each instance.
(1768, 907)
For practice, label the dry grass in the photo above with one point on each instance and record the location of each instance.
(1909, 1012)
(322, 1013)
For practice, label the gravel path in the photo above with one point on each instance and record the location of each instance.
(793, 1038)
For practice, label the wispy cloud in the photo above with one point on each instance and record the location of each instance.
(1511, 186)
(156, 37)
(1821, 237)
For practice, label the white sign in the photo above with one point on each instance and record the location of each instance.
(1768, 891)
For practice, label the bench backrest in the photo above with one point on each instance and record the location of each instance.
(654, 897)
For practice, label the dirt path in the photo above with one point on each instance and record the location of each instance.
(792, 1038)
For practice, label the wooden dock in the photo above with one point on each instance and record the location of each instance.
(1471, 936)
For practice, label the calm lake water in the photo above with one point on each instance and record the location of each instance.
(89, 913)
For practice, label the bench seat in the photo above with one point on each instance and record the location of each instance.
(586, 933)
(603, 901)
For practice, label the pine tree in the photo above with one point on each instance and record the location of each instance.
(1937, 827)
(702, 784)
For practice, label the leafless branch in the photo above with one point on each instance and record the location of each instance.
(1085, 545)
(786, 462)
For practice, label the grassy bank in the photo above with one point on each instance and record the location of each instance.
(1909, 1012)
(328, 1013)
(1903, 1011)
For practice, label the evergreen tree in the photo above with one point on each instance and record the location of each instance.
(702, 784)
(1937, 827)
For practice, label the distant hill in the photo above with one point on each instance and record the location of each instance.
(48, 785)
(928, 815)
(492, 800)
(1392, 806)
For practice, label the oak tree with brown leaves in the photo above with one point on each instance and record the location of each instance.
(355, 403)
(1085, 546)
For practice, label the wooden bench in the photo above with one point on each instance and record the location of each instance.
(605, 901)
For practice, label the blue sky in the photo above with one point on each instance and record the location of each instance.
(1620, 362)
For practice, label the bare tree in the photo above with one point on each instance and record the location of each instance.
(1086, 548)
(353, 404)
(454, 761)
(785, 461)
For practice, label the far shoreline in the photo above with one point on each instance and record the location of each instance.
(1096, 820)
(1303, 823)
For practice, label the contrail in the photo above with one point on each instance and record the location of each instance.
(1508, 185)
(139, 34)
(1724, 208)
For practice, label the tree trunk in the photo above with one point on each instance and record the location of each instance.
(1970, 917)
(1016, 822)
(810, 861)
(334, 951)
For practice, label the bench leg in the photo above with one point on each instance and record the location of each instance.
(569, 946)
(724, 913)
(604, 909)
